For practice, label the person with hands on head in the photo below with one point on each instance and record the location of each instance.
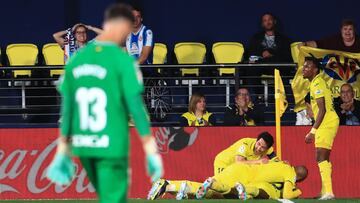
(80, 33)
(326, 124)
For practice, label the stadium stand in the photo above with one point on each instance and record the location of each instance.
(37, 99)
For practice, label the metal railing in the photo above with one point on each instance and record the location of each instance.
(34, 99)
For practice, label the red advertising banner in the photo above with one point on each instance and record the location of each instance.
(188, 154)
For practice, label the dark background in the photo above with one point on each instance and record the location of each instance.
(34, 21)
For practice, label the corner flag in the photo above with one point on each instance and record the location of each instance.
(280, 107)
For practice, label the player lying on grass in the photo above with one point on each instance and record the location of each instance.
(243, 175)
(257, 190)
(245, 151)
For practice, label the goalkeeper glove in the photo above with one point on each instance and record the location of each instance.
(154, 161)
(61, 170)
(154, 166)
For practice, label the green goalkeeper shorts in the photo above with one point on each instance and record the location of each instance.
(109, 176)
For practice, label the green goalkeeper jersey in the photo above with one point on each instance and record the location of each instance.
(94, 111)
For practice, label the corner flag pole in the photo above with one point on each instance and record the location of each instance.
(277, 113)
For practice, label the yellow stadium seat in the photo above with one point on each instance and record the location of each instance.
(295, 51)
(53, 55)
(190, 53)
(22, 55)
(159, 53)
(228, 52)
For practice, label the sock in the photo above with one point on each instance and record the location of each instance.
(325, 172)
(322, 189)
(193, 186)
(174, 186)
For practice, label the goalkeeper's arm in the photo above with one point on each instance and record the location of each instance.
(137, 109)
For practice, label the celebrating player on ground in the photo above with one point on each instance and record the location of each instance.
(246, 151)
(101, 87)
(326, 123)
(244, 175)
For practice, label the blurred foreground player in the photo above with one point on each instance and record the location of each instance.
(326, 123)
(101, 87)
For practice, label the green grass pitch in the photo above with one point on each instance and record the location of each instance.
(185, 201)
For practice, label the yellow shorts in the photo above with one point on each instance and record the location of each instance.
(270, 189)
(324, 136)
(233, 174)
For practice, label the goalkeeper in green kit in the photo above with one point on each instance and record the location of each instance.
(101, 88)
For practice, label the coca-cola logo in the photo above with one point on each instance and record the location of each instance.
(14, 164)
(175, 138)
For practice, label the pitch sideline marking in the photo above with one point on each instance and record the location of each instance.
(285, 201)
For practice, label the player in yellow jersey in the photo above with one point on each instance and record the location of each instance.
(326, 123)
(246, 151)
(246, 175)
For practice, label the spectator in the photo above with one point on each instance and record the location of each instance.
(197, 114)
(243, 113)
(80, 33)
(347, 108)
(140, 42)
(269, 45)
(346, 40)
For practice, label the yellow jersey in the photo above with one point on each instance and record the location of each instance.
(274, 172)
(245, 148)
(190, 117)
(319, 88)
